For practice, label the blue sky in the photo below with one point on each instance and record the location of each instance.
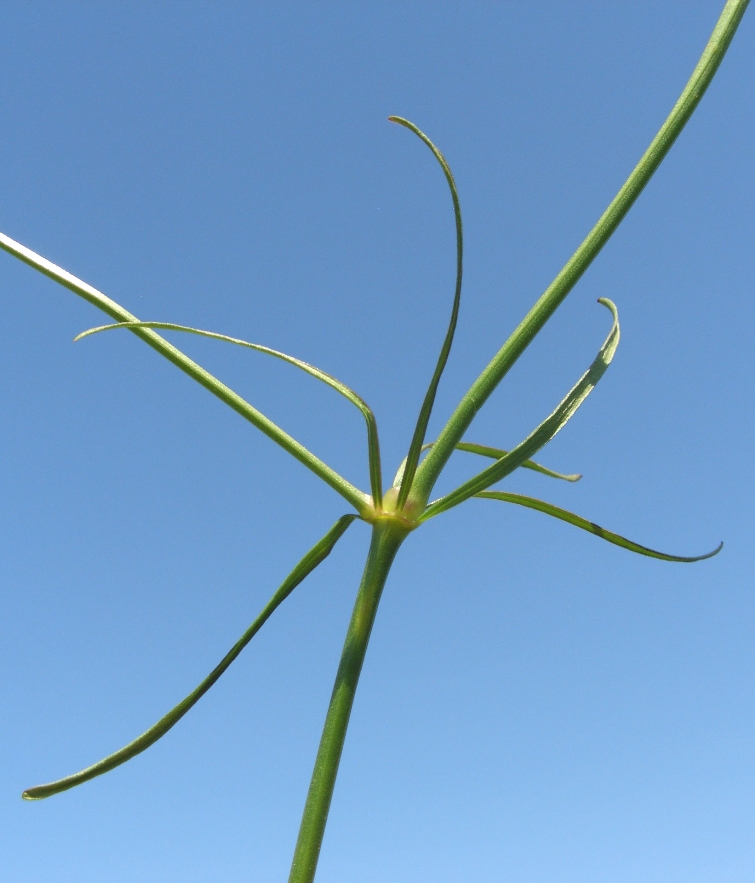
(536, 704)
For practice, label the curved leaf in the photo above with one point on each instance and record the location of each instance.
(415, 448)
(544, 433)
(316, 555)
(498, 453)
(495, 454)
(376, 481)
(590, 526)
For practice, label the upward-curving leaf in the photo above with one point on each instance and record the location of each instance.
(415, 448)
(544, 433)
(316, 555)
(590, 526)
(373, 445)
(196, 372)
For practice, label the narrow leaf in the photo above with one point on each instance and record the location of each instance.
(316, 555)
(196, 372)
(373, 444)
(495, 454)
(415, 448)
(498, 453)
(591, 527)
(544, 433)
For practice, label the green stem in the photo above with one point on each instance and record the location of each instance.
(452, 433)
(387, 536)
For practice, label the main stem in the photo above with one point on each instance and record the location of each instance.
(387, 536)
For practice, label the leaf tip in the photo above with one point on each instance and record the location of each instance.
(91, 331)
(708, 554)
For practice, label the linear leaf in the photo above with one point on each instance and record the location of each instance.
(373, 444)
(591, 527)
(415, 448)
(495, 454)
(544, 433)
(316, 555)
(498, 453)
(196, 372)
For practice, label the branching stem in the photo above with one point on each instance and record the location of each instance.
(431, 467)
(400, 510)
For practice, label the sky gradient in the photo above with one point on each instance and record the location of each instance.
(536, 705)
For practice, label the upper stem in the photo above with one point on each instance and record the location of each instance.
(431, 467)
(387, 536)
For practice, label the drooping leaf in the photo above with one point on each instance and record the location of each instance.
(347, 490)
(498, 453)
(373, 445)
(495, 454)
(316, 555)
(590, 526)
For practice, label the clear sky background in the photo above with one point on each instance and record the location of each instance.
(536, 704)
